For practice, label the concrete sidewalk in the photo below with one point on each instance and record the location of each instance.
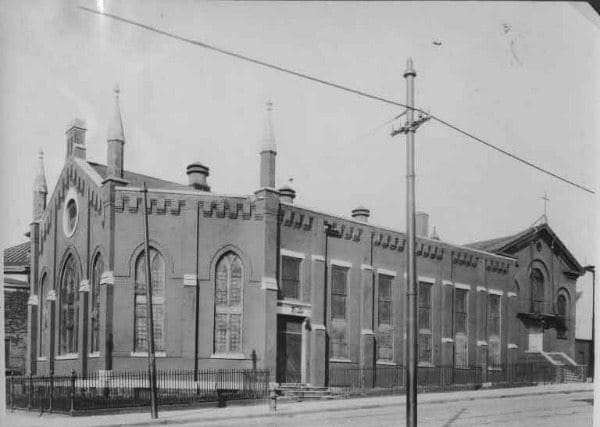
(200, 415)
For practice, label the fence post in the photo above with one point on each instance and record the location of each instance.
(12, 392)
(51, 399)
(30, 392)
(42, 395)
(73, 376)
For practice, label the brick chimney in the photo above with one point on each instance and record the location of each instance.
(422, 224)
(76, 138)
(115, 139)
(268, 152)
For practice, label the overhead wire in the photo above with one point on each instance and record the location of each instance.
(336, 86)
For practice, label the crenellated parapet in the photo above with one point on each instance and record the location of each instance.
(464, 257)
(227, 208)
(497, 266)
(131, 203)
(430, 250)
(388, 241)
(345, 230)
(297, 220)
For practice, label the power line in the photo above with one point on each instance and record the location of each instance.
(336, 86)
(378, 127)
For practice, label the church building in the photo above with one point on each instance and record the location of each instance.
(238, 279)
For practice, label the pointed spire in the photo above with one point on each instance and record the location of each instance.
(39, 184)
(40, 190)
(268, 140)
(115, 126)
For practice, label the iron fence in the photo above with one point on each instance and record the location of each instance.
(440, 378)
(103, 390)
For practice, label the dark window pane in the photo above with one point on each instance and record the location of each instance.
(385, 344)
(385, 313)
(338, 306)
(385, 287)
(338, 279)
(460, 307)
(461, 354)
(425, 348)
(290, 287)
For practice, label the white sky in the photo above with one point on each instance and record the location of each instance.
(520, 75)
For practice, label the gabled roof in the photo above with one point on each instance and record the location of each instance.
(137, 180)
(509, 245)
(17, 256)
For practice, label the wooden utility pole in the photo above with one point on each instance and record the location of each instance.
(149, 319)
(411, 262)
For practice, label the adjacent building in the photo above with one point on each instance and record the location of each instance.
(243, 278)
(16, 296)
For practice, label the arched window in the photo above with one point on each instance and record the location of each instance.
(157, 265)
(68, 319)
(97, 270)
(561, 312)
(43, 313)
(537, 290)
(228, 304)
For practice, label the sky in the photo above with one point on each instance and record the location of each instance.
(520, 75)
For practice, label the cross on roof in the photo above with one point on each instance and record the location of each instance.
(546, 200)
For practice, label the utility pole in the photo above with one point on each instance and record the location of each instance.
(149, 319)
(411, 262)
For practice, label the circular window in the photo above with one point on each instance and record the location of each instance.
(71, 213)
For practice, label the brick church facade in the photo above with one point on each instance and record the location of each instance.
(243, 277)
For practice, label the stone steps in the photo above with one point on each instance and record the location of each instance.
(298, 391)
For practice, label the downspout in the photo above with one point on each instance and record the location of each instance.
(327, 227)
(453, 330)
(197, 313)
(53, 334)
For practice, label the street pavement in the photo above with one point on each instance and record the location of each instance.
(548, 405)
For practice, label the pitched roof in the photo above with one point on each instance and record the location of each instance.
(137, 179)
(513, 243)
(17, 256)
(494, 245)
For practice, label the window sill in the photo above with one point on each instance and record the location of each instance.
(385, 362)
(42, 359)
(68, 356)
(145, 354)
(490, 368)
(231, 356)
(94, 355)
(426, 365)
(340, 360)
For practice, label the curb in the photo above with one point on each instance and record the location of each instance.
(301, 411)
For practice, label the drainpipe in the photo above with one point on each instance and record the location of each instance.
(197, 314)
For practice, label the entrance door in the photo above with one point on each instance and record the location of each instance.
(289, 349)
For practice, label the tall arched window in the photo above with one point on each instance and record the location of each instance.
(68, 319)
(97, 270)
(537, 290)
(43, 313)
(228, 304)
(157, 265)
(561, 312)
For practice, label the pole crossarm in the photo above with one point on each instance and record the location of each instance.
(412, 126)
